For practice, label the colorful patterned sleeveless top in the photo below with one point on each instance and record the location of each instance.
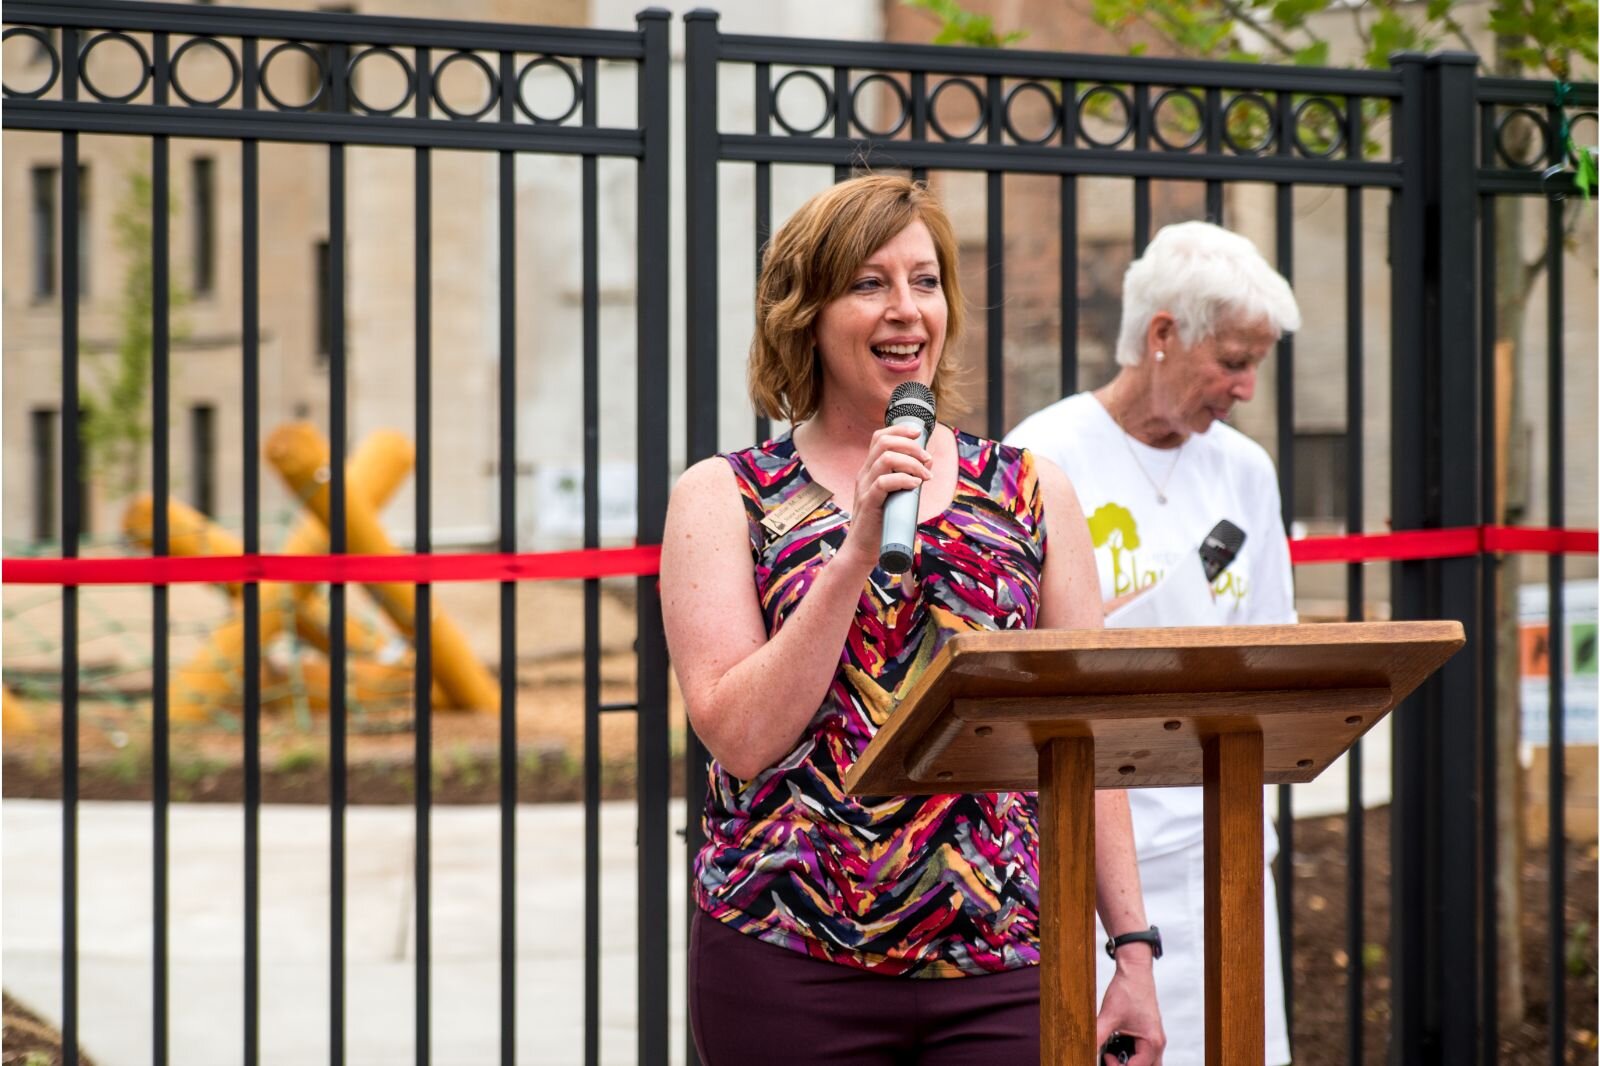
(925, 886)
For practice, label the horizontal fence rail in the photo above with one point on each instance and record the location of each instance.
(257, 105)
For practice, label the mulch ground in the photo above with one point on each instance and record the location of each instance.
(29, 1040)
(1321, 961)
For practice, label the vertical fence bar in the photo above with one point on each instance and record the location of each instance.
(841, 114)
(1451, 354)
(763, 200)
(1069, 284)
(250, 347)
(1284, 883)
(591, 586)
(1412, 854)
(1489, 655)
(71, 476)
(654, 750)
(1211, 120)
(701, 328)
(338, 544)
(508, 589)
(1555, 427)
(422, 640)
(919, 116)
(1068, 298)
(994, 250)
(160, 462)
(1355, 611)
(1141, 186)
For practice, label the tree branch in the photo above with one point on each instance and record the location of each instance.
(1460, 34)
(1361, 29)
(1235, 9)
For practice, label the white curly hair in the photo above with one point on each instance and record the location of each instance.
(1200, 273)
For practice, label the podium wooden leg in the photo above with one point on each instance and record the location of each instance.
(1235, 1000)
(1066, 901)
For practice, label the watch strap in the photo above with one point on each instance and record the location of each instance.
(1151, 936)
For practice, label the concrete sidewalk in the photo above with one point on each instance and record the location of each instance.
(206, 983)
(207, 927)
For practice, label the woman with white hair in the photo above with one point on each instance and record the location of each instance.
(1156, 467)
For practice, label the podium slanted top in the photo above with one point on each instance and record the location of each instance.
(976, 719)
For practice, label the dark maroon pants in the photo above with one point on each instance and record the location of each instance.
(751, 1002)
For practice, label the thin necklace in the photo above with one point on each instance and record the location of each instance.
(1161, 489)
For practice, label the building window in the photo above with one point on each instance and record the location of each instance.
(42, 441)
(203, 219)
(44, 232)
(46, 182)
(1319, 477)
(203, 458)
(322, 269)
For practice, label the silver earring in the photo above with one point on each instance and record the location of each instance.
(1161, 356)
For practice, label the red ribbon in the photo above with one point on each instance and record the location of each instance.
(644, 560)
(1451, 543)
(641, 560)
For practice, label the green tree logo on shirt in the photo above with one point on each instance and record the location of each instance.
(1112, 526)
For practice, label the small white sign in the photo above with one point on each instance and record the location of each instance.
(558, 503)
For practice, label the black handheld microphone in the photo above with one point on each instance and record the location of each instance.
(911, 404)
(1220, 547)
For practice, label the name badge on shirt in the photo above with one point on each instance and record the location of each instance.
(792, 511)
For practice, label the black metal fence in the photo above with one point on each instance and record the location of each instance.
(248, 112)
(1427, 134)
(1409, 132)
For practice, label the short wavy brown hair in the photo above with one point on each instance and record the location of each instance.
(812, 260)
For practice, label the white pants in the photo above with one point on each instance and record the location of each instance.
(1174, 900)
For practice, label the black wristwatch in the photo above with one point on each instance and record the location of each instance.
(1151, 936)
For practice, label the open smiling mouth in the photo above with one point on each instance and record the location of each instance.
(898, 356)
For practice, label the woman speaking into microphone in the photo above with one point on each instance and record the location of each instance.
(879, 929)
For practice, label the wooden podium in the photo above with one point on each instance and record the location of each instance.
(1069, 711)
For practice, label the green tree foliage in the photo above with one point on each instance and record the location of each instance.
(1547, 35)
(957, 25)
(116, 423)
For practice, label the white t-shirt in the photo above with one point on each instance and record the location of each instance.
(1217, 474)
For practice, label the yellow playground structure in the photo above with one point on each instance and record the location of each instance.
(379, 664)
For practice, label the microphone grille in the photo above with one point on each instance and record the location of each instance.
(910, 399)
(1227, 537)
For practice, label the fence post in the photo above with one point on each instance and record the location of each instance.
(1435, 456)
(653, 750)
(700, 371)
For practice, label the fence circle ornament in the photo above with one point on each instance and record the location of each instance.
(1340, 127)
(1050, 98)
(1506, 120)
(573, 81)
(1268, 139)
(977, 98)
(233, 71)
(488, 73)
(1195, 102)
(900, 95)
(1127, 115)
(311, 54)
(350, 79)
(138, 49)
(1582, 157)
(49, 50)
(827, 103)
